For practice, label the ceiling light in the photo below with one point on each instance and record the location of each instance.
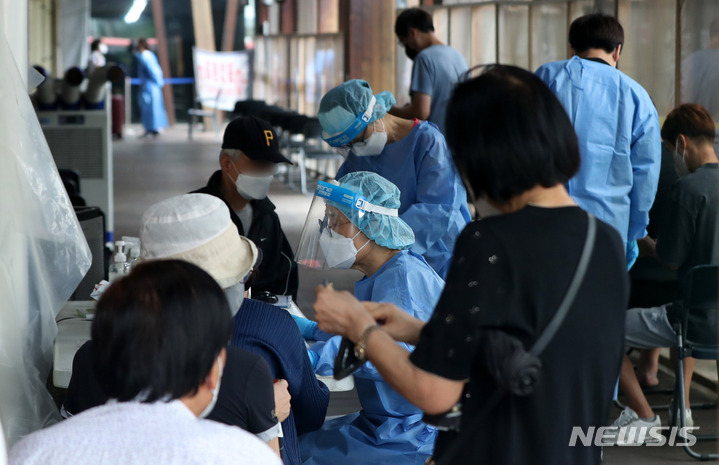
(138, 6)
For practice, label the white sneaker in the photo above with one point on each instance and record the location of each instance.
(630, 429)
(688, 415)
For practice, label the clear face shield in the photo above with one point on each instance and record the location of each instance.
(327, 239)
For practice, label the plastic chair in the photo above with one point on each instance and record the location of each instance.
(248, 107)
(697, 332)
(199, 112)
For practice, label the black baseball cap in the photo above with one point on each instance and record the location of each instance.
(255, 137)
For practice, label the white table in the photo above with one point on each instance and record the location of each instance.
(73, 330)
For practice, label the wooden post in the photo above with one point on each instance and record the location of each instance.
(158, 16)
(371, 40)
(202, 23)
(288, 17)
(228, 34)
(204, 33)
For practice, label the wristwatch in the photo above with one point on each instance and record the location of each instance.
(361, 346)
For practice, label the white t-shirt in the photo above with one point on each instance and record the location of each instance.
(97, 60)
(141, 434)
(245, 216)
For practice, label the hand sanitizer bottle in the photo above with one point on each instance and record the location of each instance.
(119, 266)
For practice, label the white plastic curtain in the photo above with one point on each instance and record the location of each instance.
(74, 28)
(3, 453)
(43, 257)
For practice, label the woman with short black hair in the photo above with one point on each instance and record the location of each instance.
(159, 350)
(514, 146)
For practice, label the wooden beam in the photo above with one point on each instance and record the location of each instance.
(374, 61)
(203, 25)
(344, 25)
(204, 34)
(288, 17)
(158, 16)
(228, 34)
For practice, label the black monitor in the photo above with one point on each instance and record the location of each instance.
(92, 222)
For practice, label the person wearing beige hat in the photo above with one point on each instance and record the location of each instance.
(249, 158)
(197, 228)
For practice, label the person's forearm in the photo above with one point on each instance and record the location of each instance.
(418, 387)
(415, 330)
(275, 446)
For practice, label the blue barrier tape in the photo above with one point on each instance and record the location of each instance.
(171, 81)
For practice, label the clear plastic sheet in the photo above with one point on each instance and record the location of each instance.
(43, 257)
(3, 452)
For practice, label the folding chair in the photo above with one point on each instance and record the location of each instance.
(697, 334)
(199, 112)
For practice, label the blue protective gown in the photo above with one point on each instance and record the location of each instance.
(619, 141)
(152, 103)
(388, 429)
(433, 199)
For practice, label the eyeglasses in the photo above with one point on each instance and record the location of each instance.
(344, 150)
(331, 223)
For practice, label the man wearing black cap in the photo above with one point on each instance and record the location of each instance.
(248, 161)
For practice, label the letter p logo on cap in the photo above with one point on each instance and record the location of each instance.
(268, 137)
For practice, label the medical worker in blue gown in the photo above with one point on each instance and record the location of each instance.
(370, 238)
(617, 126)
(411, 154)
(152, 103)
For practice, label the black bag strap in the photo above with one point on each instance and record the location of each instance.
(548, 334)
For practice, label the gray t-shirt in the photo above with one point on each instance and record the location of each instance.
(435, 72)
(688, 233)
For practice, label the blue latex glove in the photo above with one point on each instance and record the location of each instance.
(314, 358)
(307, 327)
(632, 253)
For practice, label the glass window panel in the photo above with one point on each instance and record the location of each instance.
(484, 35)
(295, 75)
(460, 31)
(700, 55)
(648, 52)
(549, 34)
(309, 97)
(259, 85)
(513, 35)
(279, 71)
(328, 68)
(584, 7)
(306, 16)
(273, 14)
(440, 18)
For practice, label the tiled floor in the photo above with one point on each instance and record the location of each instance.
(150, 170)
